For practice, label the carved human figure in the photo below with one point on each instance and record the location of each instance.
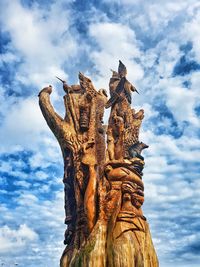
(104, 190)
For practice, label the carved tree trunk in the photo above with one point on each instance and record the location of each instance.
(103, 185)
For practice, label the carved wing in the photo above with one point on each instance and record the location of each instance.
(122, 69)
(127, 93)
(116, 94)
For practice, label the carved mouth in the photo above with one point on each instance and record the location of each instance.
(140, 193)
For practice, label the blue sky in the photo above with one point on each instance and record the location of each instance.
(159, 43)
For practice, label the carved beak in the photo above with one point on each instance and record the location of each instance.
(60, 79)
(136, 91)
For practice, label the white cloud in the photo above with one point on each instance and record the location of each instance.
(23, 124)
(115, 41)
(41, 39)
(25, 128)
(22, 183)
(15, 240)
(41, 175)
(191, 31)
(147, 38)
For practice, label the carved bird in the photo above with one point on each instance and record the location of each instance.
(87, 85)
(114, 80)
(122, 71)
(75, 88)
(66, 87)
(46, 89)
(115, 75)
(136, 149)
(124, 86)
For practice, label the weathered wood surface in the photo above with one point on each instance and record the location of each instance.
(103, 183)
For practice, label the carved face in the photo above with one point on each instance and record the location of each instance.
(127, 197)
(137, 200)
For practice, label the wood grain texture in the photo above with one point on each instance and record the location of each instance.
(103, 185)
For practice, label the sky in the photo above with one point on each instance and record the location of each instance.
(159, 43)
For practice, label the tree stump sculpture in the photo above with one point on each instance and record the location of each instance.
(103, 183)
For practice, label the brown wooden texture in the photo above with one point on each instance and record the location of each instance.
(103, 183)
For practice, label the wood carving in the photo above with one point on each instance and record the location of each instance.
(103, 185)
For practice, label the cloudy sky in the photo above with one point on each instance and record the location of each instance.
(159, 43)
